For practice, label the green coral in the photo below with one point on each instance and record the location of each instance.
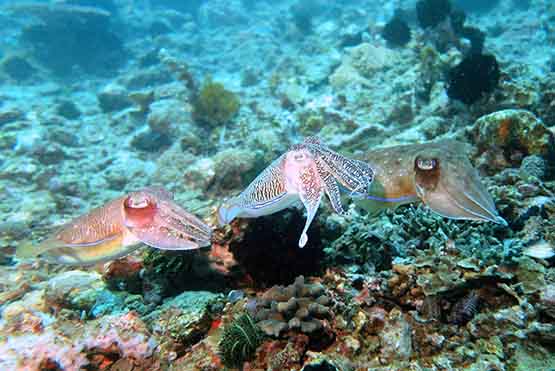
(214, 104)
(373, 241)
(239, 341)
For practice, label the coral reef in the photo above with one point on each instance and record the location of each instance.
(183, 320)
(99, 98)
(214, 105)
(504, 138)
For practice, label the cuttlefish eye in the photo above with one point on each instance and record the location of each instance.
(426, 164)
(139, 210)
(427, 172)
(299, 156)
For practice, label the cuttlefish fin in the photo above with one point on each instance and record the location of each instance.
(376, 199)
(57, 251)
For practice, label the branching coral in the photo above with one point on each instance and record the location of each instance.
(214, 105)
(239, 341)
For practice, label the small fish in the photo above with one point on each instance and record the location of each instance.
(540, 250)
(304, 173)
(119, 227)
(437, 174)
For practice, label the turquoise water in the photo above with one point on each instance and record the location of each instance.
(291, 185)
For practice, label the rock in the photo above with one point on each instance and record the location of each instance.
(75, 289)
(166, 115)
(10, 115)
(113, 98)
(530, 274)
(150, 141)
(69, 36)
(185, 318)
(396, 337)
(236, 167)
(547, 300)
(533, 165)
(368, 59)
(18, 68)
(68, 110)
(63, 136)
(505, 137)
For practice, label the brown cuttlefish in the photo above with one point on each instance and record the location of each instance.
(438, 174)
(148, 216)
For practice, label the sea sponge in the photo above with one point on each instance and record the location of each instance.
(475, 76)
(430, 13)
(239, 341)
(214, 105)
(396, 32)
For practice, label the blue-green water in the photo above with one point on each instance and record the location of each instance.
(290, 185)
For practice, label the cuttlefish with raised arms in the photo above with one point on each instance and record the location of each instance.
(304, 173)
(438, 174)
(148, 216)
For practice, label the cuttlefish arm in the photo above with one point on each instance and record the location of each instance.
(438, 174)
(119, 227)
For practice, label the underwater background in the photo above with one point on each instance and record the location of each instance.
(447, 105)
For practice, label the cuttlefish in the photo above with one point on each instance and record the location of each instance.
(437, 174)
(304, 173)
(149, 216)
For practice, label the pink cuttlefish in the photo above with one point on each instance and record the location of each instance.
(304, 173)
(148, 216)
(438, 174)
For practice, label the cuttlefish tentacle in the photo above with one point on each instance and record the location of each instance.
(438, 174)
(331, 188)
(354, 175)
(119, 227)
(302, 174)
(306, 172)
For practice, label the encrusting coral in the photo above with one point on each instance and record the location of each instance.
(300, 307)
